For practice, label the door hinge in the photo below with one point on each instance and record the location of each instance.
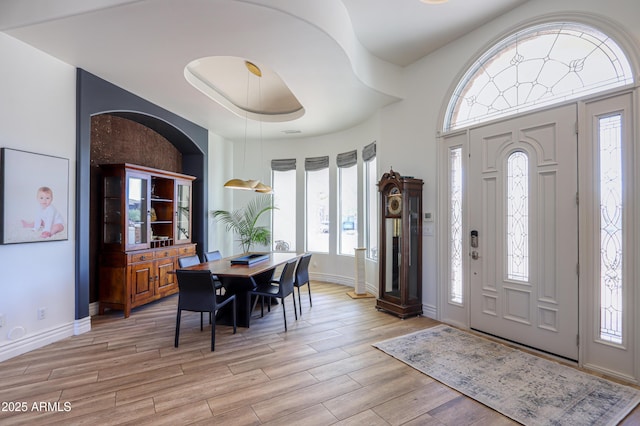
(577, 340)
(577, 199)
(576, 127)
(578, 269)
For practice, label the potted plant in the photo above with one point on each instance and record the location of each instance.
(244, 222)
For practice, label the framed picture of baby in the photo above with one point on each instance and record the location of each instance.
(34, 192)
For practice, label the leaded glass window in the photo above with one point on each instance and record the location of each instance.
(611, 232)
(542, 65)
(455, 223)
(518, 216)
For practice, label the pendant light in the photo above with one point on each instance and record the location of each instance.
(251, 184)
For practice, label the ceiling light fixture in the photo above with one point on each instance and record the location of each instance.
(434, 1)
(250, 184)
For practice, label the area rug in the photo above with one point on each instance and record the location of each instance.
(528, 389)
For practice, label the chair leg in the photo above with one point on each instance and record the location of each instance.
(295, 308)
(175, 343)
(201, 316)
(309, 288)
(284, 312)
(299, 301)
(233, 302)
(261, 306)
(213, 334)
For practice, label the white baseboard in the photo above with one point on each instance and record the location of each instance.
(93, 308)
(35, 341)
(29, 343)
(328, 278)
(430, 311)
(82, 326)
(339, 279)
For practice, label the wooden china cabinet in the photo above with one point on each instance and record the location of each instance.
(400, 248)
(146, 228)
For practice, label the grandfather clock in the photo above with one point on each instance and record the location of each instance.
(400, 247)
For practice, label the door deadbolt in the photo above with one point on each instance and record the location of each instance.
(474, 239)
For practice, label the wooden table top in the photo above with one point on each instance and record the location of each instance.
(224, 268)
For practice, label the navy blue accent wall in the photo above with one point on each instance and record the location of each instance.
(96, 96)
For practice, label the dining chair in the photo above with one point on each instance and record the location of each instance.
(183, 262)
(302, 278)
(280, 289)
(211, 256)
(197, 294)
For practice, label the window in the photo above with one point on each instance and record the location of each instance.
(348, 202)
(317, 204)
(371, 200)
(538, 66)
(611, 232)
(283, 180)
(455, 225)
(518, 216)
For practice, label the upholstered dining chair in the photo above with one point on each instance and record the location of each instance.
(183, 262)
(280, 288)
(302, 278)
(197, 294)
(210, 256)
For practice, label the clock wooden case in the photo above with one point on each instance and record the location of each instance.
(400, 260)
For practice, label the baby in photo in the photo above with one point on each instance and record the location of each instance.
(48, 221)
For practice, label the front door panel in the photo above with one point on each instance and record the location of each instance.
(523, 272)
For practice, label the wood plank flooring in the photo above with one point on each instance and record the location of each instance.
(323, 371)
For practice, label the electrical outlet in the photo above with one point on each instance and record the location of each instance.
(42, 313)
(1, 320)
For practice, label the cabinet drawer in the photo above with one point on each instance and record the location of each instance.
(187, 250)
(140, 257)
(167, 252)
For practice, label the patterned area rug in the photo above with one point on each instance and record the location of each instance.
(529, 389)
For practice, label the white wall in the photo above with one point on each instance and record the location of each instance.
(37, 114)
(220, 168)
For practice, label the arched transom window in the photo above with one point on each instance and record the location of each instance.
(541, 65)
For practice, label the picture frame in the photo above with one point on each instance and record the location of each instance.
(34, 197)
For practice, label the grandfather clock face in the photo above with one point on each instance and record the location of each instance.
(393, 202)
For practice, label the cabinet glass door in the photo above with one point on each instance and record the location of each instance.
(183, 212)
(112, 218)
(138, 210)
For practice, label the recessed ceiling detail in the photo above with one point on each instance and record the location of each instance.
(246, 88)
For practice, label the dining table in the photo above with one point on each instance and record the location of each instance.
(239, 278)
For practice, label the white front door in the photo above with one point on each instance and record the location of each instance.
(522, 188)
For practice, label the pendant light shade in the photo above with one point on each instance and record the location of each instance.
(239, 184)
(262, 188)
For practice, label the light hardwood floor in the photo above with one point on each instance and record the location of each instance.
(322, 371)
